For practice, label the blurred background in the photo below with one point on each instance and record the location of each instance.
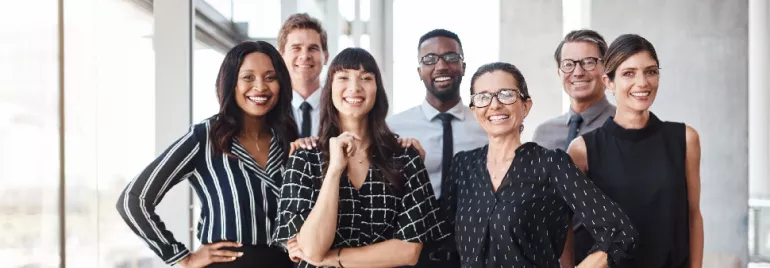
(92, 90)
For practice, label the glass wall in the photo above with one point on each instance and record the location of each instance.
(29, 134)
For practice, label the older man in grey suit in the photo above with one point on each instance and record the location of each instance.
(580, 67)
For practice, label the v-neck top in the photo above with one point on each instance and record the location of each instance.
(371, 214)
(524, 223)
(644, 171)
(238, 198)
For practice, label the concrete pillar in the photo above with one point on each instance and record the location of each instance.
(704, 83)
(173, 39)
(759, 120)
(380, 30)
(530, 31)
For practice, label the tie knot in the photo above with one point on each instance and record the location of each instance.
(445, 118)
(305, 106)
(576, 119)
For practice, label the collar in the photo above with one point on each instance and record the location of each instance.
(314, 99)
(590, 114)
(458, 111)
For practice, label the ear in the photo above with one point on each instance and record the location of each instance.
(608, 83)
(527, 107)
(419, 72)
(463, 72)
(326, 57)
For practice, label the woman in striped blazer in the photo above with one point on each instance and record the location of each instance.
(234, 162)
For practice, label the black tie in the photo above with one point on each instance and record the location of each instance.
(306, 123)
(574, 127)
(447, 150)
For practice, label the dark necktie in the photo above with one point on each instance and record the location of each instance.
(447, 150)
(574, 127)
(306, 121)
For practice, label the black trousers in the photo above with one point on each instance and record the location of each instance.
(259, 256)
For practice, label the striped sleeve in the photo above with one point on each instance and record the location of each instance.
(136, 204)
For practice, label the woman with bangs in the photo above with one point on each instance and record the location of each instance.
(360, 199)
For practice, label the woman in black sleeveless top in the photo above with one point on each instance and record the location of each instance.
(648, 166)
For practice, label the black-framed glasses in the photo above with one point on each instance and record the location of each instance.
(505, 96)
(587, 63)
(449, 57)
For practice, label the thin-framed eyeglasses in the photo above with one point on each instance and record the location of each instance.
(587, 63)
(449, 57)
(505, 96)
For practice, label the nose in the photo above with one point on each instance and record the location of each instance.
(259, 85)
(495, 104)
(641, 81)
(355, 85)
(441, 64)
(579, 71)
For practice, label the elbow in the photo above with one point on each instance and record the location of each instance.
(314, 252)
(412, 253)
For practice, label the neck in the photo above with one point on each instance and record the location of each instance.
(358, 126)
(580, 106)
(306, 88)
(503, 148)
(440, 105)
(630, 119)
(254, 127)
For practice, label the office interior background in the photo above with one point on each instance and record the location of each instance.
(92, 90)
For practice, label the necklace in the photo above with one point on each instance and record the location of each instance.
(256, 141)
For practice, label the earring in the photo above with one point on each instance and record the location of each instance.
(521, 128)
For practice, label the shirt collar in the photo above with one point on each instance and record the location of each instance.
(458, 111)
(314, 99)
(593, 111)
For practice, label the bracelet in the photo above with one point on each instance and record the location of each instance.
(339, 251)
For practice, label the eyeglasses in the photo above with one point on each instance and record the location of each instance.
(449, 57)
(587, 63)
(505, 96)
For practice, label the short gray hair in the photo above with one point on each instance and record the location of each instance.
(583, 35)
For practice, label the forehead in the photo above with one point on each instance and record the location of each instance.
(579, 50)
(640, 60)
(494, 81)
(439, 45)
(303, 37)
(257, 62)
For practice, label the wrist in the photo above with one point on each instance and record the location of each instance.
(184, 261)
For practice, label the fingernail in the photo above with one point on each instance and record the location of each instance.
(232, 258)
(240, 254)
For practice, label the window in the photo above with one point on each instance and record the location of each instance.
(109, 95)
(29, 135)
(479, 35)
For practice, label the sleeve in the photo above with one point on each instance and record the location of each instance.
(449, 201)
(298, 196)
(136, 205)
(420, 219)
(608, 225)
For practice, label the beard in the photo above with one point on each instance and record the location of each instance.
(445, 94)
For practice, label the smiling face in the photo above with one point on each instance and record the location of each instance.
(499, 119)
(304, 55)
(442, 79)
(353, 92)
(582, 85)
(257, 89)
(636, 82)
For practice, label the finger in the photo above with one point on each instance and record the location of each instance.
(224, 244)
(315, 141)
(226, 253)
(221, 259)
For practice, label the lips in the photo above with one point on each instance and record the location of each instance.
(641, 93)
(580, 83)
(259, 99)
(498, 117)
(353, 100)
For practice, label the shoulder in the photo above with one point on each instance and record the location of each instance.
(313, 155)
(467, 156)
(550, 123)
(691, 136)
(405, 115)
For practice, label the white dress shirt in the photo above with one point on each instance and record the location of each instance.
(421, 122)
(315, 113)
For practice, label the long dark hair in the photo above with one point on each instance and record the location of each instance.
(383, 140)
(229, 121)
(623, 48)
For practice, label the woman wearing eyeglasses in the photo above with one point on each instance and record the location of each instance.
(650, 167)
(510, 203)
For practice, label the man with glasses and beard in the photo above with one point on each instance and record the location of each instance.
(580, 67)
(442, 123)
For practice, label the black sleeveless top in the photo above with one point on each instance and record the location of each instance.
(643, 170)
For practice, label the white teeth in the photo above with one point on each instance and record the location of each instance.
(498, 118)
(580, 83)
(259, 99)
(304, 66)
(640, 94)
(354, 100)
(442, 78)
